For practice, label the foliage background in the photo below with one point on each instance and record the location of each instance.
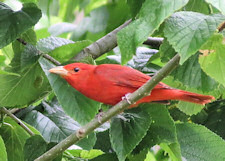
(30, 29)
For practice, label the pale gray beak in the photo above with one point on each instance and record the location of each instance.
(59, 70)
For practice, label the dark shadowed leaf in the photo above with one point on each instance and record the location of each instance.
(106, 156)
(127, 132)
(34, 147)
(14, 137)
(13, 24)
(55, 125)
(162, 129)
(215, 119)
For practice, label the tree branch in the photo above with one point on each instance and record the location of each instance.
(4, 110)
(221, 27)
(101, 46)
(154, 41)
(118, 108)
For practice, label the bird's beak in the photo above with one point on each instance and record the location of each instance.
(59, 70)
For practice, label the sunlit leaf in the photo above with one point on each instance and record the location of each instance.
(199, 143)
(188, 31)
(149, 19)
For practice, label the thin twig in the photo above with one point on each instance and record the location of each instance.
(46, 56)
(121, 106)
(4, 110)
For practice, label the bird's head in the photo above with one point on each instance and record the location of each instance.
(73, 72)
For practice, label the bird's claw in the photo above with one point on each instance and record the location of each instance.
(99, 116)
(126, 98)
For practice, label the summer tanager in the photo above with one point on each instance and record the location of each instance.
(109, 83)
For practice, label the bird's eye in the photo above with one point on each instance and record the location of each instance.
(76, 69)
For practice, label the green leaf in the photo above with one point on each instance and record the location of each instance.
(48, 44)
(34, 147)
(14, 137)
(189, 108)
(29, 56)
(55, 125)
(118, 13)
(69, 50)
(106, 156)
(191, 75)
(135, 6)
(23, 90)
(140, 156)
(67, 9)
(13, 24)
(8, 73)
(166, 51)
(3, 153)
(162, 129)
(76, 105)
(215, 59)
(8, 52)
(173, 150)
(55, 46)
(199, 143)
(215, 119)
(98, 19)
(84, 154)
(142, 57)
(198, 6)
(149, 19)
(31, 84)
(95, 23)
(188, 31)
(29, 1)
(219, 4)
(103, 141)
(127, 132)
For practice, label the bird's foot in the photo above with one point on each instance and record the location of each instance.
(99, 115)
(126, 97)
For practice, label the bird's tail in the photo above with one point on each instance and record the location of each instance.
(194, 97)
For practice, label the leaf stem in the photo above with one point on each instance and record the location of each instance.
(118, 108)
(46, 56)
(4, 110)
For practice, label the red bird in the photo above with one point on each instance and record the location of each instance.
(109, 83)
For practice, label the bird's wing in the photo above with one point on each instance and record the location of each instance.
(123, 76)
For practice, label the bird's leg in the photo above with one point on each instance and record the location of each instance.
(126, 97)
(99, 115)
